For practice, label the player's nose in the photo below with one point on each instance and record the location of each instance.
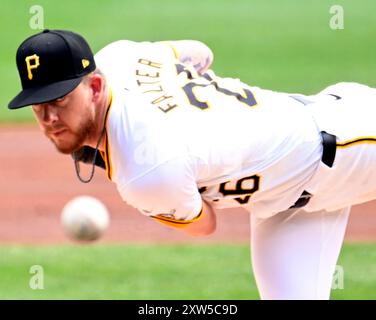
(48, 113)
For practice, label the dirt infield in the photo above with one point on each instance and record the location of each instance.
(36, 182)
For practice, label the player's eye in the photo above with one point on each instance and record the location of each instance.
(60, 99)
(37, 108)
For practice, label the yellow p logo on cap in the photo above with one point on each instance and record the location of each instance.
(30, 66)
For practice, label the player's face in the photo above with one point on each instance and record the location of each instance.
(69, 121)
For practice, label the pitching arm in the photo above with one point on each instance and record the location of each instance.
(194, 53)
(169, 195)
(204, 226)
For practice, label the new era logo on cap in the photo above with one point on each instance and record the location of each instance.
(51, 64)
(85, 63)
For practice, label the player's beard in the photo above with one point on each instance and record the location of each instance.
(73, 139)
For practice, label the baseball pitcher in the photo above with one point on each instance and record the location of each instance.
(180, 142)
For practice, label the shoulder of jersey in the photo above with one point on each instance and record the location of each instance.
(114, 46)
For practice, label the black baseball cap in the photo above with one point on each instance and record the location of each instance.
(51, 64)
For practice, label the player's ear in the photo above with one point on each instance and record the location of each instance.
(96, 84)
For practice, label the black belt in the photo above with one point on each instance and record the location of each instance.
(329, 147)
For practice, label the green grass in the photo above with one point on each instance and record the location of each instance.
(281, 45)
(158, 272)
(359, 264)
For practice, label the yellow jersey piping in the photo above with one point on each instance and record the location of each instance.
(107, 157)
(177, 223)
(356, 141)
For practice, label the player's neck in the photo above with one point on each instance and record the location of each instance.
(100, 118)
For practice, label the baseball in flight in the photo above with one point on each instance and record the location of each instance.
(85, 218)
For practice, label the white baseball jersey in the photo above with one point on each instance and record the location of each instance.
(175, 138)
(347, 110)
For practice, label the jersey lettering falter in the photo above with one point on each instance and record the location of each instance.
(149, 81)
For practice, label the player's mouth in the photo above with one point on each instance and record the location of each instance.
(56, 133)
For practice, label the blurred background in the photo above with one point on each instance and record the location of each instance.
(290, 46)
